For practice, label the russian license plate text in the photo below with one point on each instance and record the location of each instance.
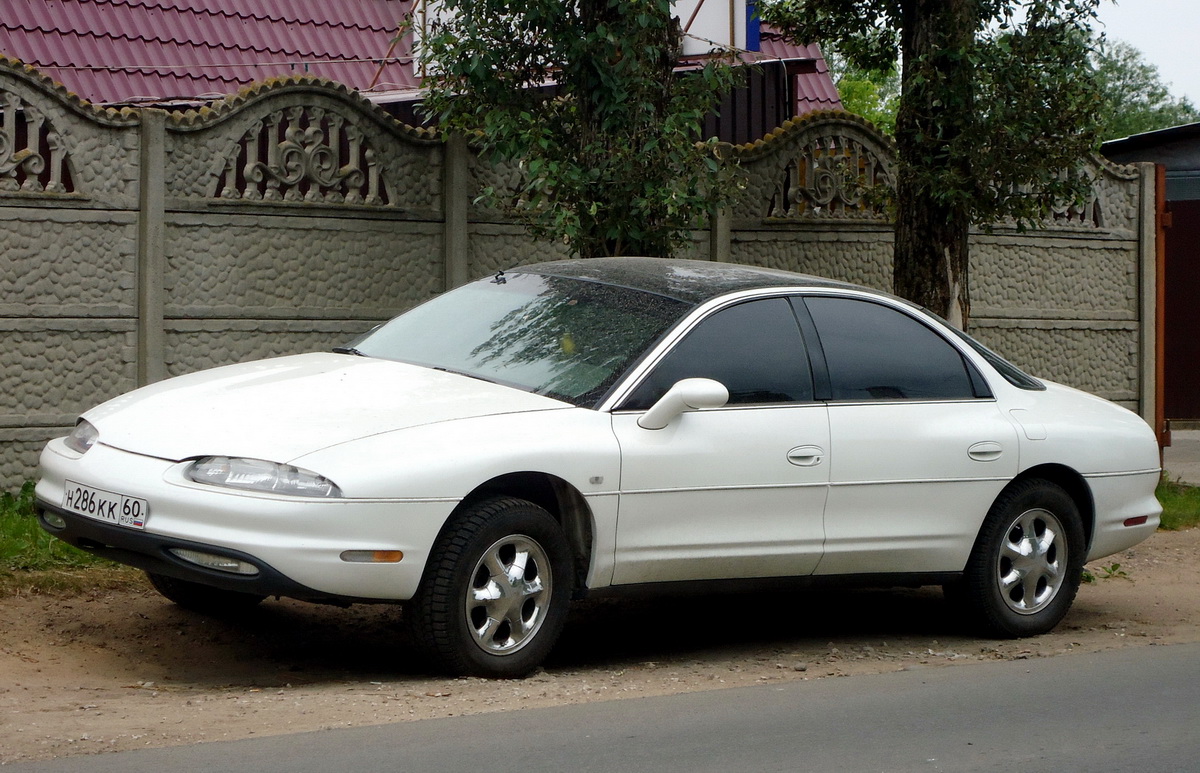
(104, 505)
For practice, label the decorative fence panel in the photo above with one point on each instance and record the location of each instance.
(136, 244)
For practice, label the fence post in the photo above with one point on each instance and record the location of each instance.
(720, 235)
(1153, 220)
(151, 245)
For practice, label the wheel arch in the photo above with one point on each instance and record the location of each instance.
(556, 496)
(1073, 483)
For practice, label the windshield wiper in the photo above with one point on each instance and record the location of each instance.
(464, 373)
(348, 350)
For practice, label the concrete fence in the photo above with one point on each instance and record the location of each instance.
(138, 244)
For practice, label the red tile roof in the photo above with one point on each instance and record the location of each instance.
(117, 51)
(111, 51)
(815, 90)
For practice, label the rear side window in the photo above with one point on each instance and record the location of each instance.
(875, 352)
(1011, 373)
(753, 348)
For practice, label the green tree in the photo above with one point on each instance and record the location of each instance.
(996, 104)
(1136, 99)
(873, 94)
(610, 158)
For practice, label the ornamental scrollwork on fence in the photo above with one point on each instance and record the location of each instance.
(1087, 214)
(32, 158)
(832, 176)
(302, 154)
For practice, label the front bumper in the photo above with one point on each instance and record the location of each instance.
(153, 554)
(297, 543)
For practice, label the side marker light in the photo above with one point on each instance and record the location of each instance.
(373, 556)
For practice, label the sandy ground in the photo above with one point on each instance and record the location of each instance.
(121, 670)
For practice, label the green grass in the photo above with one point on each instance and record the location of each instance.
(31, 561)
(25, 546)
(1181, 504)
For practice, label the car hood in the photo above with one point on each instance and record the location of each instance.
(283, 408)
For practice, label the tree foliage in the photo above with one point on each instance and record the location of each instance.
(997, 108)
(584, 95)
(872, 94)
(1136, 99)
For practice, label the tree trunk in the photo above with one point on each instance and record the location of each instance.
(931, 259)
(932, 221)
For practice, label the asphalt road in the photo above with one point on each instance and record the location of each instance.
(1136, 709)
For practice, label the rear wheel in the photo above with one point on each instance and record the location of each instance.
(494, 597)
(203, 598)
(1027, 563)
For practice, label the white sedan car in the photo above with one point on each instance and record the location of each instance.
(607, 426)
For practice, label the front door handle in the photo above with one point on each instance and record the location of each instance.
(806, 456)
(986, 451)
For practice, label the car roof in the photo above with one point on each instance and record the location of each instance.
(690, 281)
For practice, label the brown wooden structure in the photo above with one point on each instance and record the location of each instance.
(1177, 150)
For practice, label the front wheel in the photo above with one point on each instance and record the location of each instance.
(495, 594)
(1027, 563)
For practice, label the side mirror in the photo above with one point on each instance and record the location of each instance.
(690, 394)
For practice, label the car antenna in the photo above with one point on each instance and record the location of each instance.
(499, 278)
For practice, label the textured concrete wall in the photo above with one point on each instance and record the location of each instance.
(294, 215)
(290, 217)
(857, 253)
(1064, 307)
(68, 236)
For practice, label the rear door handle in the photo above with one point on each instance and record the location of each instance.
(986, 451)
(806, 456)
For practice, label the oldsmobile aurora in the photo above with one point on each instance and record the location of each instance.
(588, 427)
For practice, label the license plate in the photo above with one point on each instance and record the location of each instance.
(108, 506)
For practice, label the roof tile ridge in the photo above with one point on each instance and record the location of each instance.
(1113, 169)
(792, 126)
(110, 116)
(204, 117)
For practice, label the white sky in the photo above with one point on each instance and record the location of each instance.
(1167, 32)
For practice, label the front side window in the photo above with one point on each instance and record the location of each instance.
(753, 348)
(875, 352)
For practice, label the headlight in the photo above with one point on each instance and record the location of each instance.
(258, 475)
(82, 437)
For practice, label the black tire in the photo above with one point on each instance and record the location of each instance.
(203, 598)
(508, 628)
(1027, 563)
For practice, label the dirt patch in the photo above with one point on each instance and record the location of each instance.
(123, 669)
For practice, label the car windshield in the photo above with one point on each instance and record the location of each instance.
(564, 338)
